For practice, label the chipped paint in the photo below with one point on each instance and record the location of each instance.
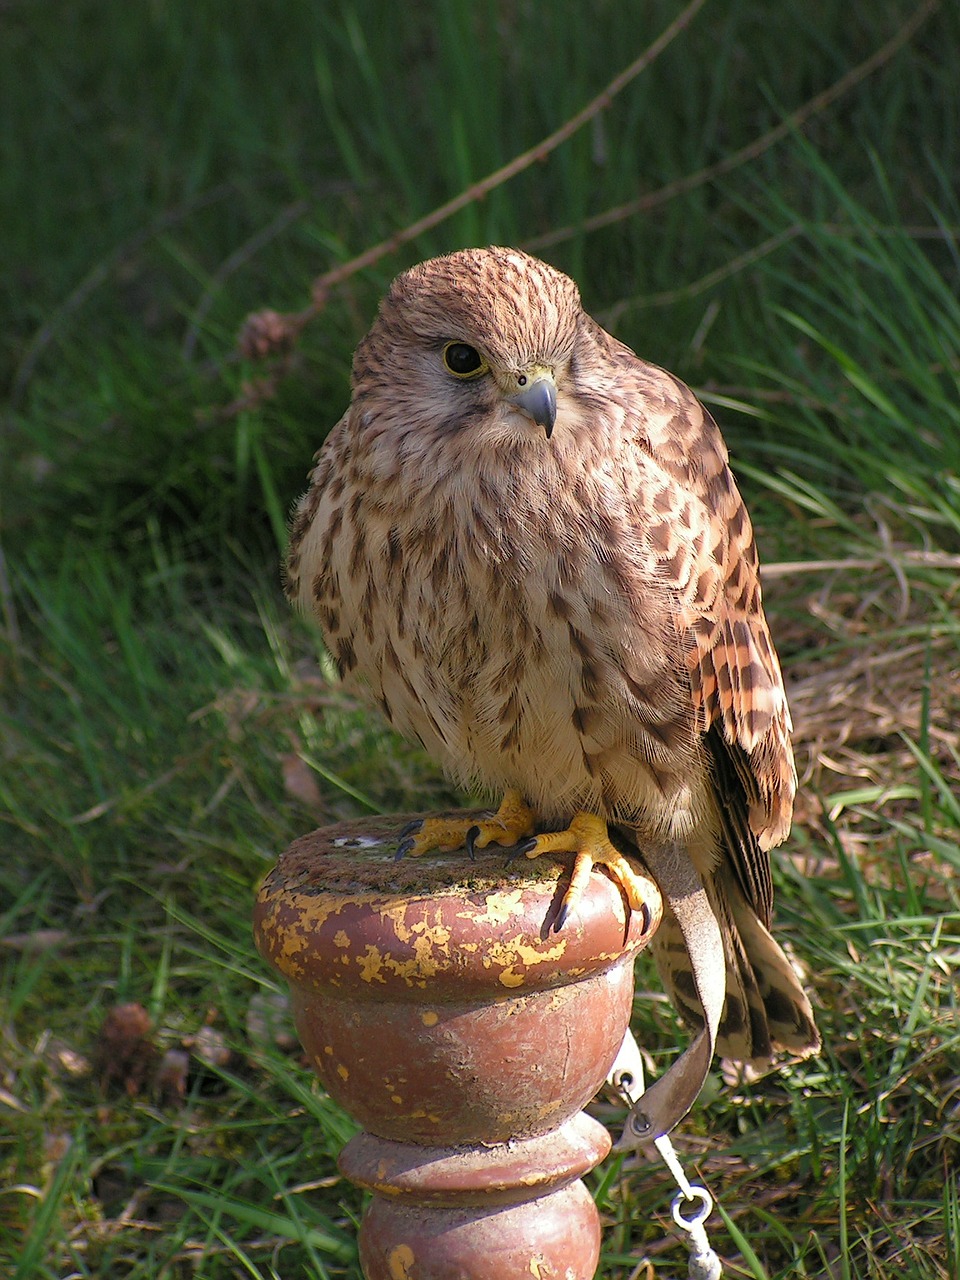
(400, 1262)
(500, 907)
(292, 920)
(371, 964)
(510, 978)
(342, 1072)
(515, 953)
(424, 949)
(341, 938)
(424, 936)
(429, 1017)
(395, 910)
(312, 909)
(431, 954)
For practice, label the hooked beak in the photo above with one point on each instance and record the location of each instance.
(537, 398)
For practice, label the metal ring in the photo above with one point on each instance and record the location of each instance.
(701, 1214)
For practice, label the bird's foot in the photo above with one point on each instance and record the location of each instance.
(512, 821)
(588, 839)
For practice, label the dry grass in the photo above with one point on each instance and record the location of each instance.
(877, 682)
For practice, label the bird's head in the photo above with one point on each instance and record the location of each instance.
(481, 340)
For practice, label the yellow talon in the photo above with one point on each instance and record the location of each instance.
(512, 821)
(587, 837)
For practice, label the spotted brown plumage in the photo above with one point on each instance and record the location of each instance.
(538, 564)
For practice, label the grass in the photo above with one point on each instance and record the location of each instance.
(162, 173)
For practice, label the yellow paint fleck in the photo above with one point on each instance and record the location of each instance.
(432, 951)
(430, 1017)
(328, 1049)
(371, 964)
(536, 1266)
(342, 1072)
(306, 913)
(510, 978)
(431, 955)
(536, 955)
(550, 1108)
(340, 938)
(396, 912)
(395, 1097)
(400, 1262)
(515, 954)
(501, 906)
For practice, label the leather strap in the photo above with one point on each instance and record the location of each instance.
(667, 1101)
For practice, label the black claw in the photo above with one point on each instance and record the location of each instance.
(409, 828)
(561, 919)
(471, 842)
(524, 846)
(403, 848)
(513, 851)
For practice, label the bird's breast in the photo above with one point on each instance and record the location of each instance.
(521, 648)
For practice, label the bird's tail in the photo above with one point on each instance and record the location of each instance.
(766, 1008)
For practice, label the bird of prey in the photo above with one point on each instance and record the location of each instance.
(525, 544)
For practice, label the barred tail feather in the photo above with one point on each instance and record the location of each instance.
(766, 1008)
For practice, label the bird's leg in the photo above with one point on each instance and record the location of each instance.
(588, 839)
(512, 821)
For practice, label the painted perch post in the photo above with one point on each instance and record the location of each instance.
(440, 1010)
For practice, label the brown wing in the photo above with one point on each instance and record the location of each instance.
(737, 685)
(735, 676)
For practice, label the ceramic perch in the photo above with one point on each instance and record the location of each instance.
(439, 1007)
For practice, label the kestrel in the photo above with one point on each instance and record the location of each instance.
(526, 545)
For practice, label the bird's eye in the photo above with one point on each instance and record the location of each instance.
(463, 361)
